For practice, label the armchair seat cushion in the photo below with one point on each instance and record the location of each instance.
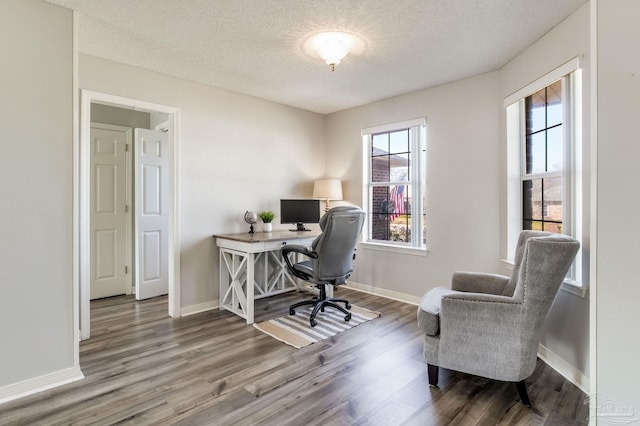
(429, 310)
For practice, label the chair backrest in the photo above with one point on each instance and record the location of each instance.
(545, 263)
(341, 227)
(543, 266)
(541, 263)
(517, 260)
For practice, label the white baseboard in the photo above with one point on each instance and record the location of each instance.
(389, 294)
(567, 370)
(200, 307)
(39, 384)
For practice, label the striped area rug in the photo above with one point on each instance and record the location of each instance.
(295, 330)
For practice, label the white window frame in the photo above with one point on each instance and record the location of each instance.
(417, 129)
(572, 167)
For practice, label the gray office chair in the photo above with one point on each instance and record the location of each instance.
(490, 325)
(331, 258)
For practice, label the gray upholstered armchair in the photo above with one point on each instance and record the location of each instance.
(490, 325)
(330, 258)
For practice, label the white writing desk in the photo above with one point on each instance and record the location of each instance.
(251, 267)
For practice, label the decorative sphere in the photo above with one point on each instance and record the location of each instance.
(250, 217)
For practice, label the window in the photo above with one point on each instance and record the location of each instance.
(542, 174)
(544, 158)
(394, 178)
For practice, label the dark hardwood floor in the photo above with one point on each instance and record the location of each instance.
(143, 367)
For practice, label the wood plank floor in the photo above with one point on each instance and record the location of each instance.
(143, 367)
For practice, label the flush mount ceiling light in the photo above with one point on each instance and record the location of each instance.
(332, 47)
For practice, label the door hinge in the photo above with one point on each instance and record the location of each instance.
(126, 208)
(126, 269)
(126, 147)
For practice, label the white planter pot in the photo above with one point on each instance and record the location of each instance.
(267, 227)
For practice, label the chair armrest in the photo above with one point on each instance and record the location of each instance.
(482, 334)
(478, 314)
(285, 250)
(474, 282)
(293, 248)
(481, 298)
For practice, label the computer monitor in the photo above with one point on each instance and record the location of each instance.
(299, 212)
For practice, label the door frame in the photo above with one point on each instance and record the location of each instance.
(87, 97)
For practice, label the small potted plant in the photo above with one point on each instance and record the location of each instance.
(267, 217)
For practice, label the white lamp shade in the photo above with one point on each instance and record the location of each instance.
(327, 189)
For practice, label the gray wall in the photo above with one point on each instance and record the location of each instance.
(107, 114)
(36, 329)
(618, 205)
(466, 181)
(567, 331)
(36, 179)
(462, 177)
(236, 153)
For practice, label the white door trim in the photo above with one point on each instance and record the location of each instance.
(86, 98)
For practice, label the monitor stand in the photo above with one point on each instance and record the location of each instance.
(299, 227)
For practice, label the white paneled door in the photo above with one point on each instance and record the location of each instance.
(108, 219)
(151, 178)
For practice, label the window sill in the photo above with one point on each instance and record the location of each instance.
(508, 264)
(569, 286)
(574, 287)
(415, 251)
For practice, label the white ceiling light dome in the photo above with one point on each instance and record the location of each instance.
(332, 46)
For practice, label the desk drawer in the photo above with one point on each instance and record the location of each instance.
(274, 245)
(260, 246)
(240, 245)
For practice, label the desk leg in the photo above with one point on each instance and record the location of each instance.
(224, 279)
(251, 262)
(234, 274)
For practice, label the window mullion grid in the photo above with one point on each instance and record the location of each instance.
(571, 173)
(546, 130)
(546, 175)
(542, 177)
(412, 185)
(390, 183)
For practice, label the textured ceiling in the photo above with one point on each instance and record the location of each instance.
(257, 47)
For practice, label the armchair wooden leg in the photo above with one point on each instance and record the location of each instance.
(522, 392)
(432, 372)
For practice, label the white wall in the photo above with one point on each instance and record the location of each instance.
(36, 305)
(466, 181)
(107, 114)
(567, 331)
(462, 181)
(237, 153)
(618, 204)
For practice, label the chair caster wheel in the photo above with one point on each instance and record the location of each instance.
(313, 323)
(292, 312)
(348, 306)
(347, 317)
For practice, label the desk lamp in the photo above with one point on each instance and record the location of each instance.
(327, 189)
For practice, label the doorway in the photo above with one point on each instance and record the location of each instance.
(167, 121)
